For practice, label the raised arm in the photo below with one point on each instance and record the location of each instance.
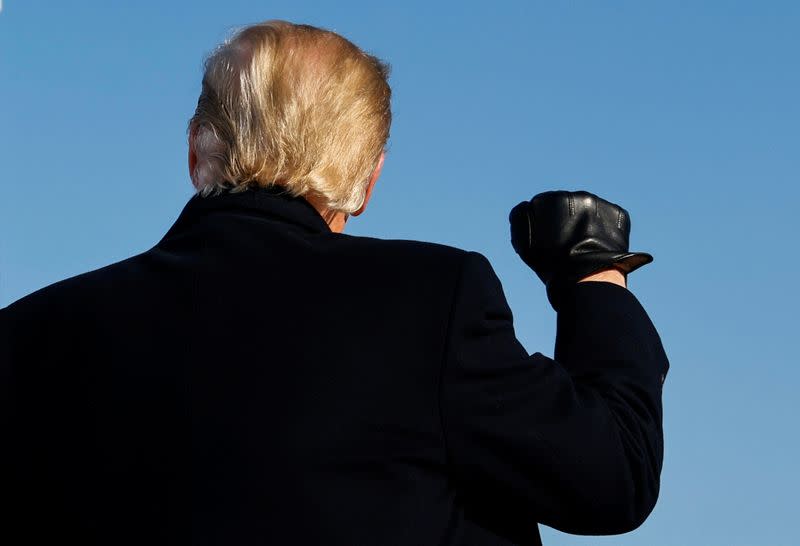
(576, 442)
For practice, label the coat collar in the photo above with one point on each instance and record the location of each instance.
(272, 202)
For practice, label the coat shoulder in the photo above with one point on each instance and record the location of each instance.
(403, 253)
(73, 291)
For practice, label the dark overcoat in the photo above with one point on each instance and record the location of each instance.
(255, 378)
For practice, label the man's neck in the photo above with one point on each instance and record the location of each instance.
(335, 219)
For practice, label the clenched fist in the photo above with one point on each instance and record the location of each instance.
(565, 236)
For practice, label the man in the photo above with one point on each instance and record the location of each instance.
(257, 377)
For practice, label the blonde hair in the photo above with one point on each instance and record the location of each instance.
(292, 105)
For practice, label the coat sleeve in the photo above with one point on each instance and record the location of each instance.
(575, 443)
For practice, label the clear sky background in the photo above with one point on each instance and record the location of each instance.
(686, 113)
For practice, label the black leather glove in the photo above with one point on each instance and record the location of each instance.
(565, 236)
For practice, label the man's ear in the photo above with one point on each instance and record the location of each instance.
(372, 179)
(192, 155)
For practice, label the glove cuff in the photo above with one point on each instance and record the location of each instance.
(584, 264)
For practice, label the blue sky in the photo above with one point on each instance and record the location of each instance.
(686, 113)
